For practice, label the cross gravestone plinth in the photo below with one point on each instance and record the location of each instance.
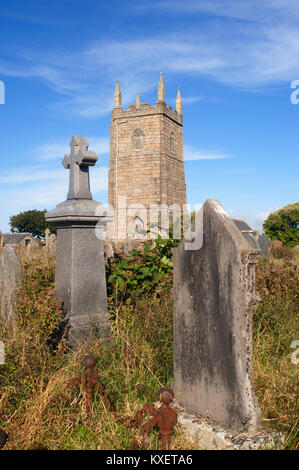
(214, 299)
(80, 267)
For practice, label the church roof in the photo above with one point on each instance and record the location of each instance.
(14, 238)
(243, 226)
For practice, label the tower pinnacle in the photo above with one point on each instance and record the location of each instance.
(161, 89)
(138, 101)
(179, 103)
(117, 96)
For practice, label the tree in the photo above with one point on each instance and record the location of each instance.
(32, 221)
(283, 225)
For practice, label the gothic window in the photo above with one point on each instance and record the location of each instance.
(172, 143)
(136, 227)
(138, 139)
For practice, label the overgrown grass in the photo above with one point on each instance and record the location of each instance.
(275, 328)
(38, 409)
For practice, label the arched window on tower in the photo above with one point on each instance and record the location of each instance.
(136, 228)
(138, 139)
(172, 142)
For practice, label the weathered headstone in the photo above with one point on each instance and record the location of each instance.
(108, 250)
(80, 268)
(261, 242)
(214, 298)
(50, 240)
(252, 240)
(264, 243)
(10, 280)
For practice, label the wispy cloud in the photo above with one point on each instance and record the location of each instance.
(100, 145)
(23, 175)
(44, 184)
(41, 187)
(50, 151)
(192, 99)
(260, 218)
(37, 19)
(254, 55)
(30, 188)
(41, 174)
(254, 219)
(57, 150)
(193, 154)
(253, 10)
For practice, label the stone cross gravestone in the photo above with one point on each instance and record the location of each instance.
(80, 267)
(214, 299)
(78, 163)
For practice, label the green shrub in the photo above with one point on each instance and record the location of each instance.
(283, 225)
(141, 272)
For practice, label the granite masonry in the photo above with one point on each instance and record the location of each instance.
(146, 160)
(80, 268)
(214, 298)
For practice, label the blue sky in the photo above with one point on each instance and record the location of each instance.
(234, 61)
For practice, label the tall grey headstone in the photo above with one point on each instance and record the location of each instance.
(80, 267)
(10, 280)
(214, 299)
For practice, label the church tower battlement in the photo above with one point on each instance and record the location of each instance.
(146, 154)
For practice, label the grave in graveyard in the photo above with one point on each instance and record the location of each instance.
(80, 267)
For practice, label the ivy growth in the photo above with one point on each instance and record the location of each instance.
(141, 271)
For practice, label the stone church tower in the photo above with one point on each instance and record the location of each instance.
(146, 160)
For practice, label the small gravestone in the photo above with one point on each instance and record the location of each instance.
(264, 243)
(50, 241)
(108, 250)
(80, 267)
(260, 242)
(10, 280)
(214, 299)
(252, 240)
